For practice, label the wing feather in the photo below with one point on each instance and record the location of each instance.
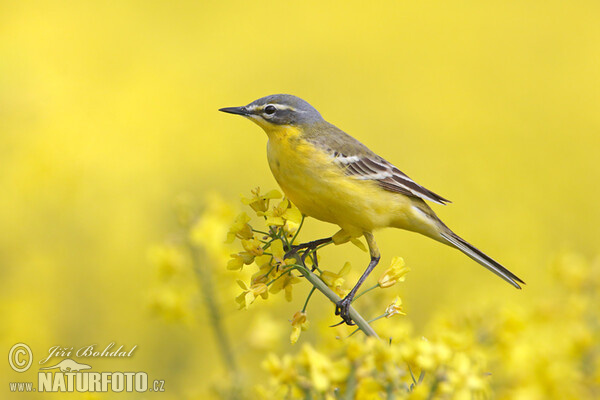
(385, 174)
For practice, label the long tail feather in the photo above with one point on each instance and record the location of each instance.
(482, 258)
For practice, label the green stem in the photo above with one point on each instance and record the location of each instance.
(261, 232)
(411, 374)
(308, 298)
(376, 318)
(369, 321)
(351, 384)
(434, 387)
(283, 238)
(298, 231)
(360, 322)
(390, 392)
(269, 243)
(270, 270)
(204, 275)
(285, 272)
(365, 291)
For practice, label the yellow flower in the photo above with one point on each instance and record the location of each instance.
(169, 259)
(276, 249)
(265, 265)
(253, 249)
(299, 323)
(211, 227)
(238, 260)
(282, 369)
(290, 228)
(260, 203)
(249, 294)
(429, 355)
(354, 349)
(336, 281)
(394, 308)
(240, 229)
(284, 282)
(395, 273)
(319, 367)
(463, 378)
(284, 211)
(342, 236)
(253, 246)
(264, 261)
(260, 276)
(369, 389)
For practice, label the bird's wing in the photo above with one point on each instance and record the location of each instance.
(359, 162)
(372, 167)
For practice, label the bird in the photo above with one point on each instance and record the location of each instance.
(331, 176)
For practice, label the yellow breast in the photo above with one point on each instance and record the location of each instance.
(321, 189)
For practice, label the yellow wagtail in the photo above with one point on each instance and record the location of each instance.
(333, 177)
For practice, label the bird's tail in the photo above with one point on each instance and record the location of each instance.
(477, 255)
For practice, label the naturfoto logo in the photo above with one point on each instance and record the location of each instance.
(68, 375)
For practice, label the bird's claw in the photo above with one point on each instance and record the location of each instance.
(309, 246)
(342, 308)
(338, 324)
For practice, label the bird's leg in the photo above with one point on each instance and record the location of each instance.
(308, 246)
(312, 245)
(314, 259)
(342, 308)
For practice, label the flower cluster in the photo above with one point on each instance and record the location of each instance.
(279, 262)
(543, 344)
(545, 348)
(368, 368)
(267, 249)
(175, 292)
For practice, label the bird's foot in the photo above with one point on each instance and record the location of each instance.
(342, 308)
(309, 246)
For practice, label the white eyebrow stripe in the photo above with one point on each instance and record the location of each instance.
(285, 107)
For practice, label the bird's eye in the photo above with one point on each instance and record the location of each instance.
(270, 110)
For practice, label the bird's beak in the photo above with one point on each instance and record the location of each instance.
(236, 110)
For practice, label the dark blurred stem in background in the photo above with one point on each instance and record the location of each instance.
(204, 274)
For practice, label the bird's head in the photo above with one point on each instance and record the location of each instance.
(277, 110)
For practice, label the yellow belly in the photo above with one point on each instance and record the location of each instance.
(320, 189)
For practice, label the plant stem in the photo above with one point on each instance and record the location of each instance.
(308, 298)
(261, 232)
(360, 322)
(351, 384)
(369, 321)
(364, 291)
(204, 276)
(297, 231)
(283, 273)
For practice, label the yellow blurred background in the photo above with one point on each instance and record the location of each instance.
(108, 114)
